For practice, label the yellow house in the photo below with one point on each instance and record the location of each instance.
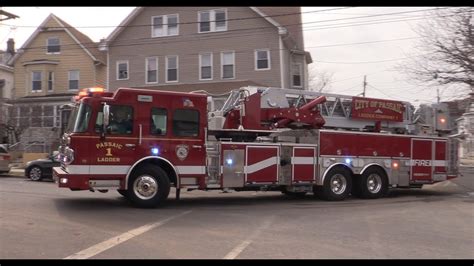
(54, 63)
(57, 58)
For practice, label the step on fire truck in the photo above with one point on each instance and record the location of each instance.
(143, 142)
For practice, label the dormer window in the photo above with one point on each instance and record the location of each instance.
(212, 20)
(53, 46)
(166, 25)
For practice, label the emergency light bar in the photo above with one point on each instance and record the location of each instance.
(89, 92)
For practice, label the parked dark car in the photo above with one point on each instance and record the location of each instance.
(42, 168)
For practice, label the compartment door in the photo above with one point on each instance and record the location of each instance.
(422, 160)
(261, 164)
(304, 163)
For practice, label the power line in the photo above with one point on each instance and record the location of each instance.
(370, 62)
(378, 15)
(367, 42)
(287, 14)
(374, 22)
(218, 35)
(196, 22)
(390, 96)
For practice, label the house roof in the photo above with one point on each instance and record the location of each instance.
(88, 44)
(90, 47)
(59, 97)
(6, 68)
(210, 87)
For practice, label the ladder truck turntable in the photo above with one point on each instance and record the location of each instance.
(261, 138)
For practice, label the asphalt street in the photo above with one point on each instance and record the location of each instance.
(39, 220)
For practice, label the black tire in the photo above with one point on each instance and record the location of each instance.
(149, 176)
(35, 173)
(356, 186)
(372, 184)
(122, 192)
(343, 177)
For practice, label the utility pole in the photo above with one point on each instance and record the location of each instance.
(365, 85)
(7, 14)
(437, 90)
(4, 117)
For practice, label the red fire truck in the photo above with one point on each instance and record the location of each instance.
(143, 142)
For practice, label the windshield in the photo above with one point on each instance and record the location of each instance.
(79, 119)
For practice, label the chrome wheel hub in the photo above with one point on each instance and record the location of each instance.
(35, 173)
(374, 183)
(145, 187)
(338, 184)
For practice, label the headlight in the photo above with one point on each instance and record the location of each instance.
(68, 156)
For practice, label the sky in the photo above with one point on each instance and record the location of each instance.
(338, 43)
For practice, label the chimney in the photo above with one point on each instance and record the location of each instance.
(11, 46)
(103, 45)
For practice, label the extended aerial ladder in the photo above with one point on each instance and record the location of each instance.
(260, 109)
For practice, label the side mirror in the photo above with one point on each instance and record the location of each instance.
(106, 114)
(106, 120)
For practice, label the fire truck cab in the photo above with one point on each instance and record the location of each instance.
(143, 142)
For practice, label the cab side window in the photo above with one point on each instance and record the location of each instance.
(121, 120)
(186, 123)
(158, 121)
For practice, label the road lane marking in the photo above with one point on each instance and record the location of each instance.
(242, 246)
(116, 240)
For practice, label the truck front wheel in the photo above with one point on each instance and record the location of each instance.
(122, 192)
(148, 186)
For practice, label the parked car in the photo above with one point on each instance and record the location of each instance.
(5, 160)
(42, 168)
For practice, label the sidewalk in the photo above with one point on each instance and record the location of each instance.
(466, 162)
(19, 172)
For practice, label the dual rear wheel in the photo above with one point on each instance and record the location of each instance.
(339, 183)
(372, 184)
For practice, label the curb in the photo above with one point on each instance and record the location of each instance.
(17, 172)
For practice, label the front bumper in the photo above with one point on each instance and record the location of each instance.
(86, 181)
(66, 180)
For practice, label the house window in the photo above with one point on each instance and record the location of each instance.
(122, 70)
(166, 25)
(50, 81)
(296, 71)
(228, 65)
(53, 46)
(262, 59)
(205, 66)
(172, 68)
(74, 79)
(152, 70)
(186, 123)
(212, 20)
(36, 81)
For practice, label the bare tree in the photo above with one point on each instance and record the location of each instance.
(445, 55)
(319, 80)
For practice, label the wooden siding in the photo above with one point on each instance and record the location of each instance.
(71, 57)
(135, 44)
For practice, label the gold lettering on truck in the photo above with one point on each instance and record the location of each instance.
(108, 146)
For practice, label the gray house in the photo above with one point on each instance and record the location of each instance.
(207, 48)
